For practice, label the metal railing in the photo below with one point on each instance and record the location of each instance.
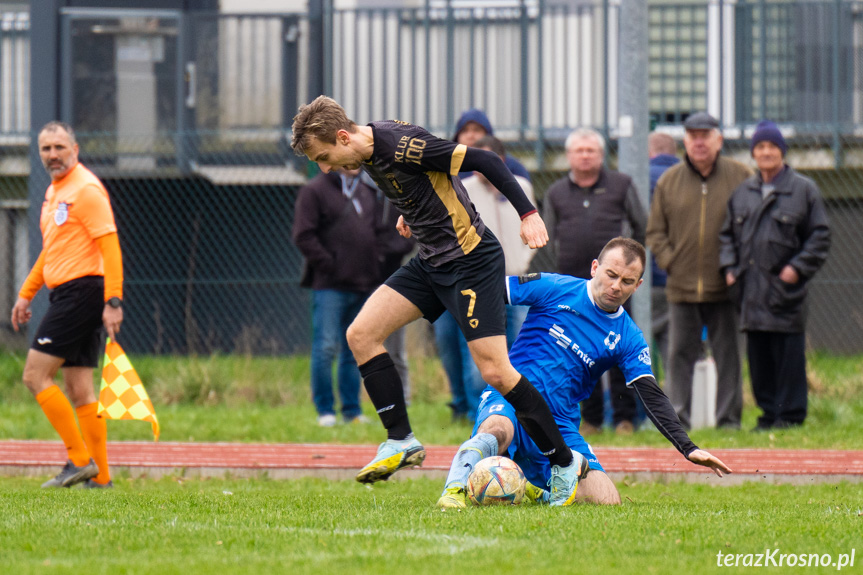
(205, 210)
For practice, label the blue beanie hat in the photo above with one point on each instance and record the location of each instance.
(767, 131)
(473, 115)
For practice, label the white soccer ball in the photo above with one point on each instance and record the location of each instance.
(496, 481)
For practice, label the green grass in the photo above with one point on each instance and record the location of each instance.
(317, 526)
(267, 399)
(184, 526)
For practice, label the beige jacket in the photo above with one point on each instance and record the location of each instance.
(686, 215)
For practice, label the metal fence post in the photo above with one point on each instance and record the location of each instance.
(44, 107)
(525, 93)
(540, 122)
(762, 58)
(837, 40)
(633, 122)
(449, 121)
(317, 50)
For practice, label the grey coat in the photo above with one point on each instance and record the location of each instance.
(761, 236)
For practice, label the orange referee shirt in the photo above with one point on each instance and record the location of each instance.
(76, 211)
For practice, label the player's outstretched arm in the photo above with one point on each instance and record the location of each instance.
(533, 232)
(701, 457)
(492, 167)
(661, 413)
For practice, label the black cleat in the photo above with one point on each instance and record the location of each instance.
(90, 484)
(71, 475)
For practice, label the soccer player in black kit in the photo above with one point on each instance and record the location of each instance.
(459, 267)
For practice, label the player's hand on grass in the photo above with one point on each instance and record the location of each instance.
(403, 229)
(21, 312)
(533, 232)
(701, 457)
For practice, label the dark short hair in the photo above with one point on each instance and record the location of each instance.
(322, 119)
(55, 125)
(631, 250)
(493, 144)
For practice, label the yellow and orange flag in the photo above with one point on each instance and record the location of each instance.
(122, 395)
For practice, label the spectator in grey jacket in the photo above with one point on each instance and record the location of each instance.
(775, 237)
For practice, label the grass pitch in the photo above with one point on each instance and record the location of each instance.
(317, 526)
(267, 399)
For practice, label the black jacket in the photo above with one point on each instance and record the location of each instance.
(761, 236)
(340, 245)
(581, 221)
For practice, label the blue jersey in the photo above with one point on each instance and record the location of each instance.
(567, 342)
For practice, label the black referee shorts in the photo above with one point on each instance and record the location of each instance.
(472, 288)
(72, 327)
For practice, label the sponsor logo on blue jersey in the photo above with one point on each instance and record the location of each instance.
(611, 340)
(644, 356)
(564, 307)
(566, 342)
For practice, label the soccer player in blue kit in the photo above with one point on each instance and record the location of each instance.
(575, 330)
(459, 268)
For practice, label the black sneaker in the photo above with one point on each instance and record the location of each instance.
(90, 484)
(71, 475)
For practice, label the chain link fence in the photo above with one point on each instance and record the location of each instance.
(210, 265)
(205, 211)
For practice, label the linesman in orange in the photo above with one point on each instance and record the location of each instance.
(82, 266)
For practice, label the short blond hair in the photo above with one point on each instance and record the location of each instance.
(321, 119)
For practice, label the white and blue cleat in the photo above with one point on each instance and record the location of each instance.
(392, 455)
(564, 480)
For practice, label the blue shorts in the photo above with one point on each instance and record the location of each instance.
(523, 450)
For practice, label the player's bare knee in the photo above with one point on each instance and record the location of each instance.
(35, 380)
(501, 428)
(359, 339)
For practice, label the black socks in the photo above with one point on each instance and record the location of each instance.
(384, 387)
(534, 415)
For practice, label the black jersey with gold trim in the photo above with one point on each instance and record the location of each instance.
(418, 173)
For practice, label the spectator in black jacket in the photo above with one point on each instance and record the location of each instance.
(583, 211)
(336, 228)
(775, 237)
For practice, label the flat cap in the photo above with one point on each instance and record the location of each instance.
(701, 121)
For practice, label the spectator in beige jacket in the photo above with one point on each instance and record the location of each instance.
(686, 214)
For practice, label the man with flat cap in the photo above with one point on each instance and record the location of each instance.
(687, 212)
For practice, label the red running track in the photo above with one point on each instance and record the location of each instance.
(333, 460)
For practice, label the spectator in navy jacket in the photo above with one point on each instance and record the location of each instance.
(474, 125)
(662, 150)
